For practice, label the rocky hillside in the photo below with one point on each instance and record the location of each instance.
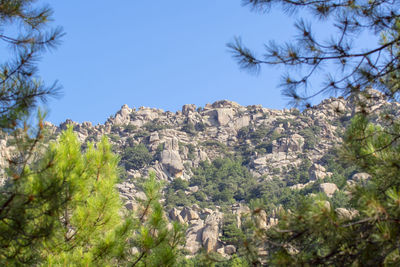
(284, 149)
(269, 141)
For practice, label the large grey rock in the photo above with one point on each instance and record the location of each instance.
(159, 171)
(361, 176)
(130, 205)
(317, 172)
(261, 219)
(189, 214)
(221, 251)
(328, 188)
(140, 196)
(154, 137)
(173, 214)
(123, 116)
(261, 161)
(224, 116)
(194, 237)
(193, 189)
(294, 143)
(147, 114)
(186, 109)
(230, 249)
(225, 104)
(241, 122)
(171, 143)
(210, 232)
(172, 162)
(346, 214)
(5, 155)
(210, 238)
(240, 210)
(202, 155)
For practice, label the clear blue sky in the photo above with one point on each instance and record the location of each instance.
(159, 54)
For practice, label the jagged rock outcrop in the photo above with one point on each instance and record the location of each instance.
(328, 188)
(4, 156)
(318, 171)
(361, 176)
(272, 144)
(189, 214)
(346, 213)
(210, 231)
(293, 143)
(186, 109)
(172, 162)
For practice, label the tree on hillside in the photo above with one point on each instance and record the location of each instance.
(358, 67)
(59, 205)
(25, 35)
(314, 234)
(65, 209)
(25, 30)
(366, 234)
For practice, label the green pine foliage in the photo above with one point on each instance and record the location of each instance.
(300, 174)
(88, 228)
(226, 181)
(21, 88)
(136, 157)
(316, 234)
(64, 209)
(59, 205)
(231, 233)
(158, 243)
(222, 182)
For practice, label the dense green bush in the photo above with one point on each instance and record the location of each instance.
(116, 128)
(243, 132)
(179, 184)
(222, 182)
(129, 128)
(136, 157)
(300, 174)
(114, 138)
(153, 126)
(141, 134)
(189, 128)
(231, 233)
(341, 169)
(264, 147)
(274, 193)
(258, 134)
(311, 138)
(200, 126)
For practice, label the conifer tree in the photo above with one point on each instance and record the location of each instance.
(63, 209)
(59, 205)
(356, 66)
(20, 87)
(314, 234)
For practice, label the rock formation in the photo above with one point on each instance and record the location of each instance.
(271, 142)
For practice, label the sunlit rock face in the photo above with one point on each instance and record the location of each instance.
(271, 143)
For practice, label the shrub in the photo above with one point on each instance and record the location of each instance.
(136, 157)
(310, 137)
(200, 126)
(189, 128)
(129, 128)
(153, 126)
(114, 138)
